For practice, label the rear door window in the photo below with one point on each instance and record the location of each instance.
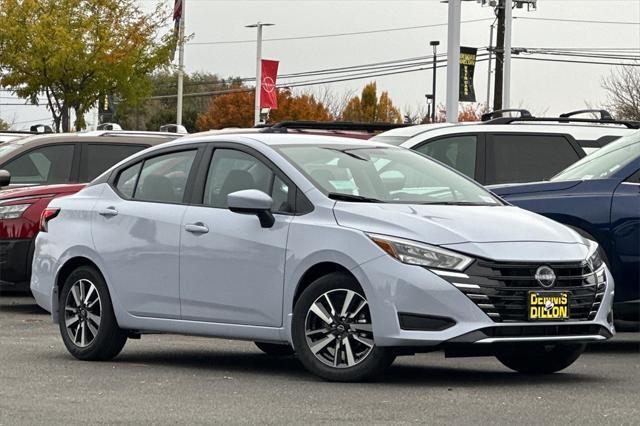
(513, 158)
(42, 166)
(96, 158)
(458, 152)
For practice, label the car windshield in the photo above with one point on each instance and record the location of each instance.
(605, 161)
(384, 175)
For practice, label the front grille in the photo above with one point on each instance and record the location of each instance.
(501, 289)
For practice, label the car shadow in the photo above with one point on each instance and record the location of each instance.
(23, 308)
(231, 363)
(616, 346)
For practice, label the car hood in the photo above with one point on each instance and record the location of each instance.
(441, 225)
(524, 188)
(40, 191)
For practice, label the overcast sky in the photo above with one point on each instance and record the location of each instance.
(540, 86)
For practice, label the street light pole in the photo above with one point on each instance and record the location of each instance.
(434, 44)
(258, 26)
(453, 60)
(180, 65)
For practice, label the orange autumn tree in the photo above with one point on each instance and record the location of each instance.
(236, 110)
(369, 108)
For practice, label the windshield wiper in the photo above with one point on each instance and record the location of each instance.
(350, 197)
(459, 203)
(346, 152)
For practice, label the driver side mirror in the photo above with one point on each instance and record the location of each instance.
(252, 201)
(5, 178)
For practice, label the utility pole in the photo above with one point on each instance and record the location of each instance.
(258, 26)
(434, 44)
(489, 66)
(508, 24)
(497, 88)
(453, 60)
(180, 64)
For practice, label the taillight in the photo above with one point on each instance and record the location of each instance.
(46, 216)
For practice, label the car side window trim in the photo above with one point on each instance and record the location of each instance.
(113, 178)
(197, 196)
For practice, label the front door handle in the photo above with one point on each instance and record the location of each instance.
(196, 228)
(108, 212)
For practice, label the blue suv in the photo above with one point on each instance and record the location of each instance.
(599, 196)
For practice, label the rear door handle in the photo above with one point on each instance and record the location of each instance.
(196, 228)
(108, 212)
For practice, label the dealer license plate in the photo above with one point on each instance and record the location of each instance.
(548, 305)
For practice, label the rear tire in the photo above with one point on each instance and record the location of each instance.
(87, 323)
(541, 359)
(274, 349)
(332, 316)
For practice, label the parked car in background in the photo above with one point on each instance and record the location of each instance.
(314, 245)
(347, 129)
(45, 167)
(8, 135)
(510, 149)
(599, 196)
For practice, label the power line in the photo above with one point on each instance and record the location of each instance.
(577, 62)
(582, 21)
(383, 30)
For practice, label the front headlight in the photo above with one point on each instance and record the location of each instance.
(13, 211)
(414, 253)
(594, 258)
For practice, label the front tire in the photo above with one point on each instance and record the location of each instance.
(541, 359)
(87, 323)
(332, 331)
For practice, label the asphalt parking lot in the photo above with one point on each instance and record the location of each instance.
(165, 379)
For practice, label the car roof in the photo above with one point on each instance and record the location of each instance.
(111, 137)
(577, 131)
(277, 139)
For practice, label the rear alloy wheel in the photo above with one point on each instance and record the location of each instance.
(87, 322)
(541, 358)
(332, 331)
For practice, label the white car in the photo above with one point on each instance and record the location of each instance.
(509, 149)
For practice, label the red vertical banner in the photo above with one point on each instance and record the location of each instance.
(268, 92)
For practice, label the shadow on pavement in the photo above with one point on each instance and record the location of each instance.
(230, 363)
(616, 346)
(22, 308)
(223, 362)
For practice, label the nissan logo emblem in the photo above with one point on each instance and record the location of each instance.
(545, 276)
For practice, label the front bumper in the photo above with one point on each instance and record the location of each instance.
(15, 262)
(394, 289)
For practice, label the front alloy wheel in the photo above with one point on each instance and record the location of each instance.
(338, 328)
(332, 331)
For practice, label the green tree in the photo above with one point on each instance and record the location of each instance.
(75, 51)
(4, 125)
(368, 108)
